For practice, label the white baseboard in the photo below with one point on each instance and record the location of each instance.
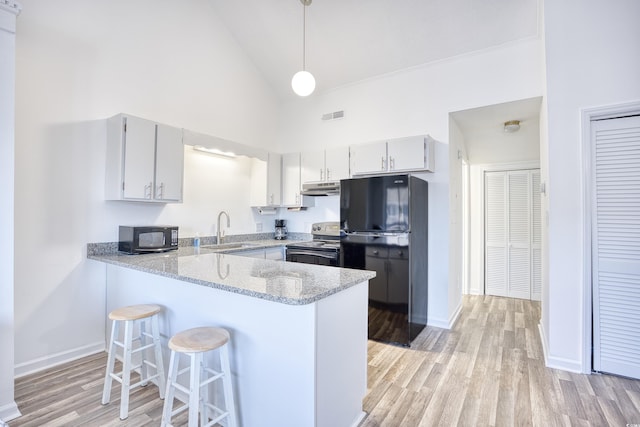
(9, 412)
(438, 323)
(46, 362)
(557, 362)
(455, 315)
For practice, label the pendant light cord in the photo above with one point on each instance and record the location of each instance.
(304, 36)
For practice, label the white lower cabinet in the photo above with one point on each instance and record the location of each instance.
(145, 160)
(275, 253)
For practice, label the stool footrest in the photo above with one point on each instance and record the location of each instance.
(215, 376)
(221, 414)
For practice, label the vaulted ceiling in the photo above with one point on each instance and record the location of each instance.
(353, 40)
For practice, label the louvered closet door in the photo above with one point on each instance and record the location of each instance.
(512, 234)
(519, 232)
(616, 245)
(496, 234)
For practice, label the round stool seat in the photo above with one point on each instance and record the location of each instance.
(134, 312)
(198, 340)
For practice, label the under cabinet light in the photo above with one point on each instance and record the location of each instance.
(214, 151)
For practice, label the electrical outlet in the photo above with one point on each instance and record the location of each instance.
(258, 227)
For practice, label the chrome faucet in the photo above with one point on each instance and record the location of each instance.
(220, 234)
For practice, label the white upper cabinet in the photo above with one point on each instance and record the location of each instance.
(405, 154)
(326, 165)
(265, 181)
(291, 179)
(291, 184)
(336, 162)
(413, 153)
(145, 160)
(169, 163)
(312, 166)
(368, 158)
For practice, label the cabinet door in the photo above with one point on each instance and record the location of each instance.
(169, 163)
(139, 147)
(259, 175)
(336, 163)
(312, 166)
(276, 253)
(291, 179)
(406, 153)
(265, 181)
(368, 158)
(274, 173)
(252, 253)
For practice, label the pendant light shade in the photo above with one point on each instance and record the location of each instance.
(303, 83)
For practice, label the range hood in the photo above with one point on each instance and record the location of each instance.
(321, 188)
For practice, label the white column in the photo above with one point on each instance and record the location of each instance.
(8, 12)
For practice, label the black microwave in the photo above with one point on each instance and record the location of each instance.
(146, 239)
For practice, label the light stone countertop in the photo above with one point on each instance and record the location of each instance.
(218, 267)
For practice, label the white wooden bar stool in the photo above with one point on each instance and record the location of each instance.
(195, 343)
(140, 314)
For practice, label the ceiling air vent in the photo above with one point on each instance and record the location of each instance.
(333, 116)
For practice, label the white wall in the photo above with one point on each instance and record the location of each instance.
(592, 59)
(457, 152)
(79, 62)
(412, 102)
(8, 408)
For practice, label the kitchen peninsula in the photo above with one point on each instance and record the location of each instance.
(298, 331)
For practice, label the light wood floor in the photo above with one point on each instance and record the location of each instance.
(487, 370)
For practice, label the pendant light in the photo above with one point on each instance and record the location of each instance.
(303, 82)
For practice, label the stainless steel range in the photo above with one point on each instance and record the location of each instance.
(324, 249)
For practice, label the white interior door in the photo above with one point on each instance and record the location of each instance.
(512, 234)
(616, 245)
(519, 234)
(496, 234)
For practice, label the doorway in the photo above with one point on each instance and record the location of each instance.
(513, 234)
(615, 244)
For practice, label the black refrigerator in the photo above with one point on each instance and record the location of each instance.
(384, 228)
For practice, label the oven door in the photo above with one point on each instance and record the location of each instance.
(313, 257)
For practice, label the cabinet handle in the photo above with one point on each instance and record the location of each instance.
(375, 252)
(382, 164)
(271, 199)
(160, 191)
(321, 175)
(148, 189)
(392, 163)
(297, 198)
(328, 174)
